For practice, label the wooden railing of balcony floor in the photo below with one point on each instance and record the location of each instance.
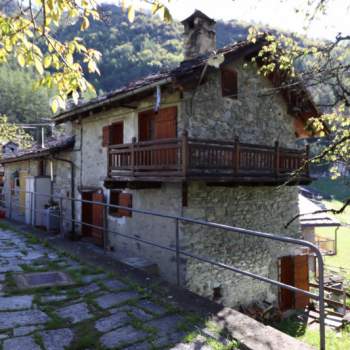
(190, 157)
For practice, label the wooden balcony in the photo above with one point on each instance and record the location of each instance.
(213, 161)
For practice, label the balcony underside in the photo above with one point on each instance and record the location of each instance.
(147, 181)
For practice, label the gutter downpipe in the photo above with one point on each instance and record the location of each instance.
(72, 165)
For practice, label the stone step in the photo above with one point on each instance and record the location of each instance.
(139, 263)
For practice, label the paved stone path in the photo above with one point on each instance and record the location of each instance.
(98, 311)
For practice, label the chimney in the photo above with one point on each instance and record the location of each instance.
(200, 35)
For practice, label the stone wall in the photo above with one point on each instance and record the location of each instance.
(60, 187)
(258, 208)
(255, 116)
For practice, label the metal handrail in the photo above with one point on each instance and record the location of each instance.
(179, 252)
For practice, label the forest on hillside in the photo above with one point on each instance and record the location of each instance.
(129, 51)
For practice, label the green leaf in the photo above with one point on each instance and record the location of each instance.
(39, 66)
(21, 60)
(54, 106)
(131, 13)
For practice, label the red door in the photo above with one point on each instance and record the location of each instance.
(98, 218)
(286, 268)
(301, 280)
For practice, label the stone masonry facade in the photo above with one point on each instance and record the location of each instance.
(254, 118)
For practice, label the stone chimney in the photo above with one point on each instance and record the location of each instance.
(200, 35)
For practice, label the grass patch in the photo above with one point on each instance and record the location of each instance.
(55, 322)
(297, 329)
(86, 337)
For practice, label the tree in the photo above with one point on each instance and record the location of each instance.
(18, 100)
(12, 132)
(27, 32)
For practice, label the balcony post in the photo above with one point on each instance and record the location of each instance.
(185, 153)
(132, 156)
(277, 159)
(236, 156)
(109, 171)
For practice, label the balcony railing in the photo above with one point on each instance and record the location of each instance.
(187, 157)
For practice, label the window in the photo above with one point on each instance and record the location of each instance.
(229, 83)
(158, 125)
(122, 199)
(113, 134)
(114, 200)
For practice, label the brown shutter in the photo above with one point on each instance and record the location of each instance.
(105, 136)
(146, 120)
(286, 271)
(165, 123)
(116, 133)
(301, 280)
(97, 217)
(229, 83)
(125, 200)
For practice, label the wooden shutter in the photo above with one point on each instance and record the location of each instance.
(105, 136)
(286, 271)
(146, 121)
(97, 217)
(114, 200)
(161, 125)
(229, 83)
(165, 123)
(301, 280)
(125, 200)
(116, 133)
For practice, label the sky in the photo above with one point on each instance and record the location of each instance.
(279, 14)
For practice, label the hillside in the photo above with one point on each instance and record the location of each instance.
(129, 51)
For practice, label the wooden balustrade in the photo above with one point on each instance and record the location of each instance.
(189, 157)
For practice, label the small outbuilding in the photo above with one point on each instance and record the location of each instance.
(313, 215)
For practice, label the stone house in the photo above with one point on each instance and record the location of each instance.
(46, 170)
(209, 140)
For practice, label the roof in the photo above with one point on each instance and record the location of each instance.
(52, 145)
(307, 209)
(200, 14)
(175, 76)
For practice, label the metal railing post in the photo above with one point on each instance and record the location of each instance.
(105, 228)
(321, 299)
(177, 247)
(10, 206)
(61, 215)
(31, 208)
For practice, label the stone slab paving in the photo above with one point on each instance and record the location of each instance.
(75, 313)
(16, 302)
(97, 311)
(21, 343)
(22, 318)
(122, 336)
(111, 299)
(108, 323)
(57, 339)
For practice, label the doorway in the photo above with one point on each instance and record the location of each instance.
(92, 215)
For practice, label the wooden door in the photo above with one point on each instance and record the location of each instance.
(86, 214)
(286, 272)
(301, 280)
(98, 218)
(294, 270)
